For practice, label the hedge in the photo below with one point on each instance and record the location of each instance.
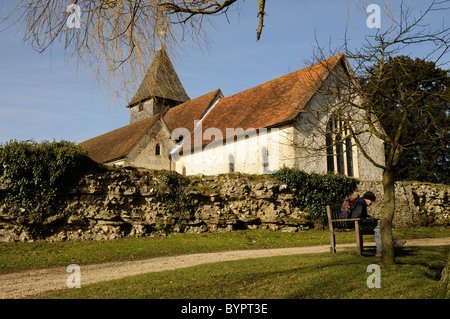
(315, 191)
(38, 175)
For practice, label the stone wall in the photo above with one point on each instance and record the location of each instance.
(129, 203)
(133, 203)
(416, 203)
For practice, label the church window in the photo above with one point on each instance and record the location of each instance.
(183, 171)
(140, 107)
(339, 154)
(330, 151)
(349, 155)
(339, 148)
(158, 149)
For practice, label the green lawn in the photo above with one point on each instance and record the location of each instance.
(21, 256)
(343, 275)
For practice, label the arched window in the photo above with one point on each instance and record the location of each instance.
(339, 148)
(183, 171)
(157, 149)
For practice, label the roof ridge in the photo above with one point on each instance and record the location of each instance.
(338, 56)
(183, 115)
(127, 136)
(138, 123)
(198, 97)
(271, 103)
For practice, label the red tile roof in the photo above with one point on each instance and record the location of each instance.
(117, 144)
(269, 104)
(185, 114)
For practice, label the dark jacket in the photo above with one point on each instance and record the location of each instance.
(360, 211)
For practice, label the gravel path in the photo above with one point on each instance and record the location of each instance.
(27, 283)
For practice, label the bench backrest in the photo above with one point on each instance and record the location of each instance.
(333, 214)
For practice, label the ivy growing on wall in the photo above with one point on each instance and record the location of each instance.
(38, 175)
(175, 191)
(315, 191)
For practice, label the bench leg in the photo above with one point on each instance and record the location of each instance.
(333, 247)
(359, 242)
(332, 242)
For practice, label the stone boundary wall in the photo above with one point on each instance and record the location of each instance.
(129, 203)
(416, 203)
(132, 203)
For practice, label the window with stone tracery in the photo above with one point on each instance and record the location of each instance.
(339, 148)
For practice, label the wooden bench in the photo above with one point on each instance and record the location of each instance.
(336, 222)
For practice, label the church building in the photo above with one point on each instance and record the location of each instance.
(256, 131)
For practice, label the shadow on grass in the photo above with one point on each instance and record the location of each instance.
(316, 276)
(415, 275)
(431, 260)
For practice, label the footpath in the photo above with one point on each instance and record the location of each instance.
(27, 283)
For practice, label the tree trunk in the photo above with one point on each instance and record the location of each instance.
(387, 216)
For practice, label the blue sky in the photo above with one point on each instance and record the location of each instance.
(43, 97)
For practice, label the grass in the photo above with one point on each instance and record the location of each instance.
(35, 255)
(343, 275)
(321, 276)
(21, 256)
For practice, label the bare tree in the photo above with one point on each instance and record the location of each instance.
(357, 100)
(117, 39)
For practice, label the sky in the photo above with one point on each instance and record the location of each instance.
(42, 97)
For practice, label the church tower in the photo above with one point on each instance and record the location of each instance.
(160, 90)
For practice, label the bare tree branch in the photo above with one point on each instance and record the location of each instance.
(261, 14)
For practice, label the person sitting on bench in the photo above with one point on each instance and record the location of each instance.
(371, 223)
